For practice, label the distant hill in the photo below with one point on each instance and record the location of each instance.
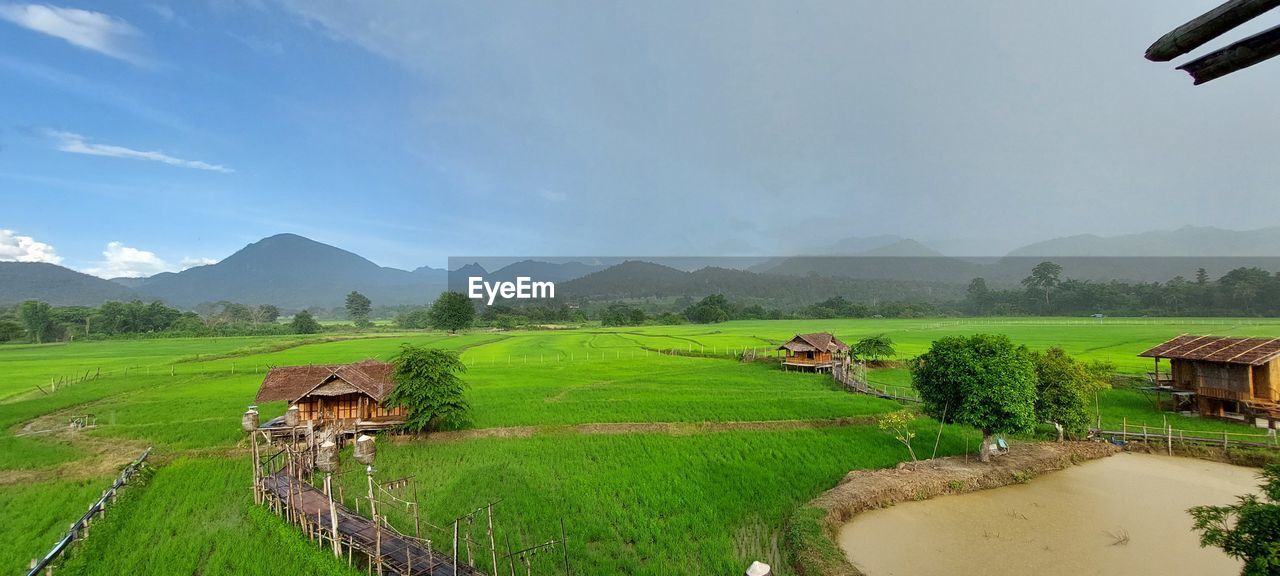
(1188, 241)
(56, 285)
(128, 282)
(862, 244)
(292, 271)
(638, 279)
(545, 271)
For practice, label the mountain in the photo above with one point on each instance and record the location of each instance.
(903, 248)
(633, 278)
(861, 244)
(636, 279)
(434, 275)
(129, 282)
(1154, 256)
(293, 272)
(56, 285)
(544, 271)
(1188, 241)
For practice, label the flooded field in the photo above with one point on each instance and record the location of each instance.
(1121, 515)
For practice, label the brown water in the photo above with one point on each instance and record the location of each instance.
(1066, 522)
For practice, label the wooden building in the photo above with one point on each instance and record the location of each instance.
(347, 397)
(818, 351)
(1235, 378)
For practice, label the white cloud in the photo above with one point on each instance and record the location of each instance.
(190, 262)
(15, 248)
(77, 144)
(120, 261)
(123, 261)
(90, 30)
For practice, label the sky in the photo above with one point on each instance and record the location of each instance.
(140, 137)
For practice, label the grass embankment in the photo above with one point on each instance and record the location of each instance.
(810, 538)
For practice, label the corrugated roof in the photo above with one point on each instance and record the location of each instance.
(1230, 350)
(293, 382)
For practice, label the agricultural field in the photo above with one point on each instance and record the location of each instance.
(684, 463)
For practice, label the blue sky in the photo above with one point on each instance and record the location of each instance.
(137, 137)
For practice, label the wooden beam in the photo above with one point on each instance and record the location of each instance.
(1206, 27)
(1238, 56)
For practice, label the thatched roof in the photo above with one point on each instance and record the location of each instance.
(1251, 351)
(294, 382)
(815, 342)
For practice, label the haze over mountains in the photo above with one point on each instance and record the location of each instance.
(295, 272)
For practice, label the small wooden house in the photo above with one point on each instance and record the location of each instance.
(347, 396)
(818, 351)
(1237, 378)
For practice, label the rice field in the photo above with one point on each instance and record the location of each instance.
(692, 500)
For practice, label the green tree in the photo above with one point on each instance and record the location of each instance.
(428, 387)
(978, 296)
(1248, 530)
(304, 323)
(267, 314)
(619, 314)
(418, 318)
(709, 310)
(898, 425)
(984, 381)
(10, 330)
(1064, 390)
(452, 311)
(37, 318)
(1044, 277)
(873, 348)
(358, 308)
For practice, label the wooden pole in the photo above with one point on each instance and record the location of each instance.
(455, 548)
(493, 547)
(564, 547)
(333, 515)
(1206, 27)
(1238, 56)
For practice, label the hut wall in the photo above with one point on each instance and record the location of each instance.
(344, 407)
(1231, 381)
(1266, 381)
(1183, 373)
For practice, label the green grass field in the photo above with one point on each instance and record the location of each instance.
(700, 500)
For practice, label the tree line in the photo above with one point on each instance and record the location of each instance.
(1245, 291)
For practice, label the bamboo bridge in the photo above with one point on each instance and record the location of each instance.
(385, 548)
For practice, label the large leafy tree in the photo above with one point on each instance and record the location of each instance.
(1249, 529)
(267, 313)
(984, 381)
(304, 323)
(428, 387)
(452, 311)
(709, 310)
(37, 318)
(358, 308)
(978, 296)
(1064, 390)
(621, 314)
(874, 347)
(1044, 277)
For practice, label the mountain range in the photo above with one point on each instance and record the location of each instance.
(295, 272)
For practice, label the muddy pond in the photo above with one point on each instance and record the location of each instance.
(1121, 515)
